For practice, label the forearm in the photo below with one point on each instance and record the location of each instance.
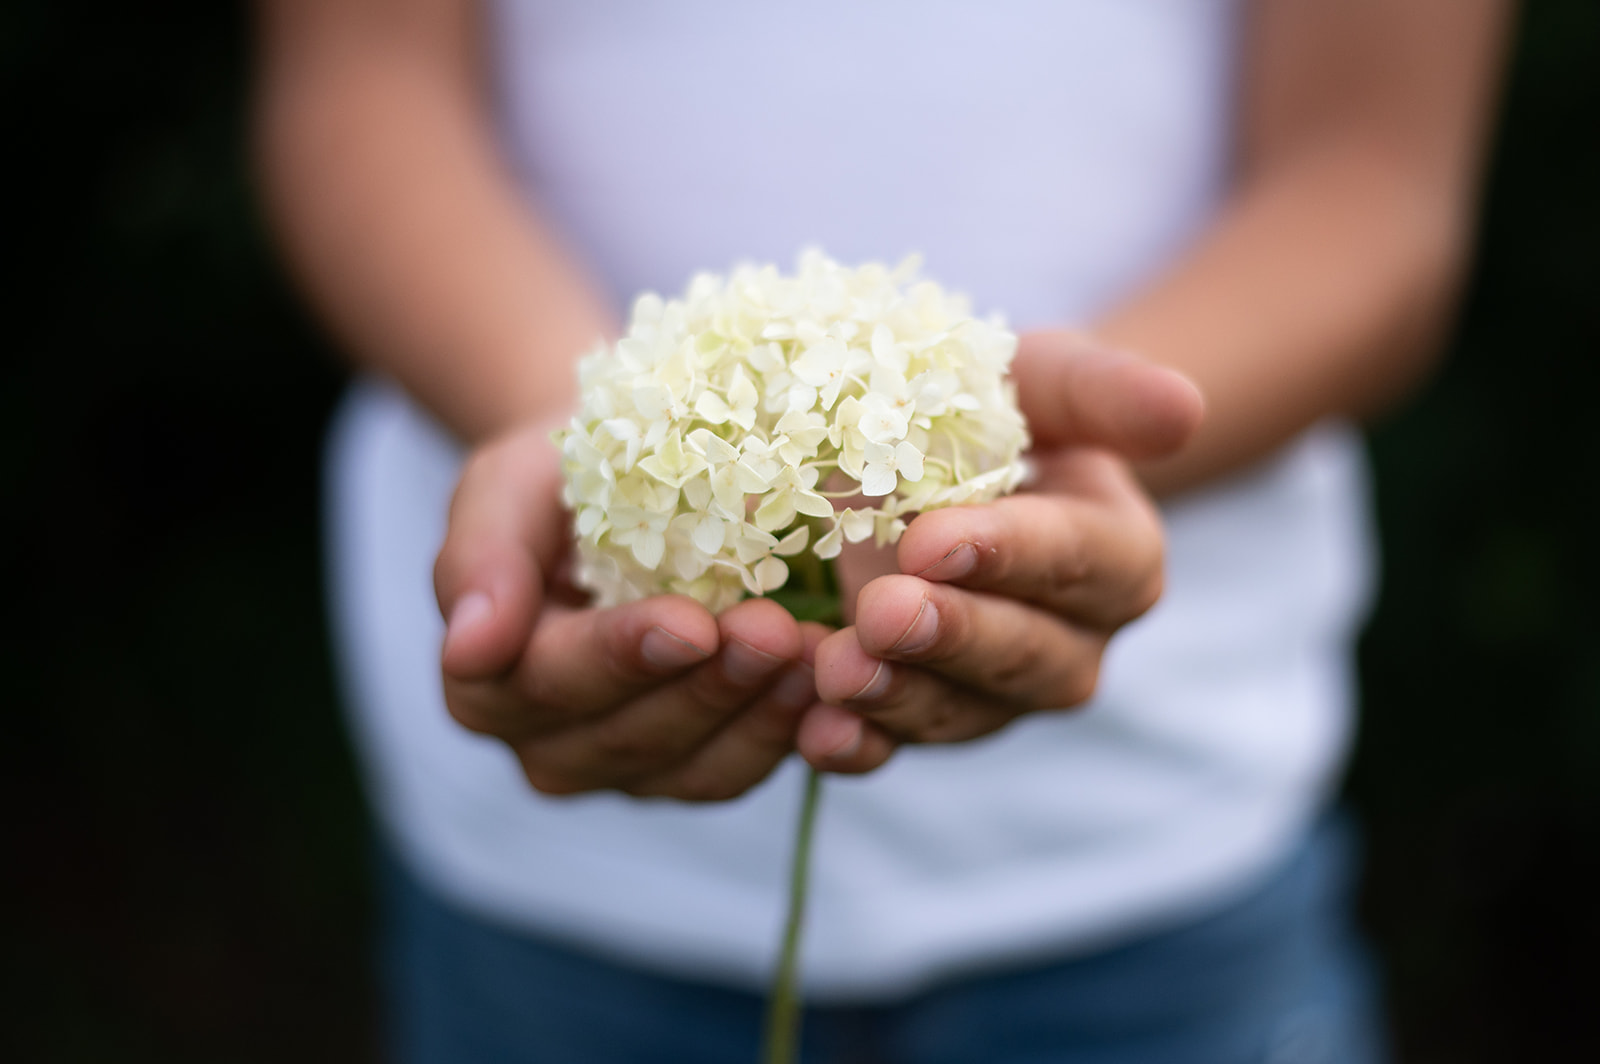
(1320, 291)
(404, 225)
(1325, 282)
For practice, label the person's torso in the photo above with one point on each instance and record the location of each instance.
(1047, 158)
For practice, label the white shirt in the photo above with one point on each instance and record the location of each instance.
(1046, 158)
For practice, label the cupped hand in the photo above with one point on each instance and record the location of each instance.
(1006, 608)
(656, 697)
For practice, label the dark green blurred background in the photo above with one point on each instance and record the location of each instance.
(185, 842)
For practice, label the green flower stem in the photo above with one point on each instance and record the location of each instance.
(817, 599)
(783, 1004)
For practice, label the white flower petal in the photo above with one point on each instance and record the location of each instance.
(811, 504)
(770, 574)
(652, 399)
(877, 480)
(794, 542)
(886, 352)
(751, 584)
(908, 460)
(857, 524)
(850, 463)
(648, 547)
(709, 534)
(753, 543)
(749, 478)
(752, 387)
(710, 407)
(715, 448)
(765, 358)
(741, 393)
(830, 544)
(881, 421)
(776, 512)
(697, 493)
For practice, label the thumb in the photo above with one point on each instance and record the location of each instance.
(506, 532)
(1074, 392)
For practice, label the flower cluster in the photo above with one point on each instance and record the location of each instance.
(716, 438)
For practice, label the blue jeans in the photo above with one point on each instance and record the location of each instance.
(1275, 977)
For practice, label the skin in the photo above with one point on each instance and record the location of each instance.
(1362, 125)
(584, 706)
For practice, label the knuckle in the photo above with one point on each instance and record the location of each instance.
(772, 724)
(1016, 663)
(1067, 562)
(710, 696)
(618, 742)
(613, 648)
(995, 560)
(941, 721)
(913, 720)
(538, 688)
(540, 701)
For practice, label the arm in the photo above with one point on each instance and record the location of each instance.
(407, 231)
(1319, 290)
(401, 219)
(1324, 284)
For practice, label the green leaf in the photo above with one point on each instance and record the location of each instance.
(808, 605)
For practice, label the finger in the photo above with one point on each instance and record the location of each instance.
(753, 743)
(667, 724)
(1087, 546)
(903, 701)
(583, 662)
(1075, 393)
(834, 739)
(935, 663)
(507, 529)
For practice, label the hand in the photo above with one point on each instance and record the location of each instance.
(1006, 608)
(653, 698)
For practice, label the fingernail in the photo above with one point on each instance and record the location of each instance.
(797, 689)
(924, 627)
(875, 686)
(666, 651)
(471, 610)
(743, 664)
(848, 747)
(953, 566)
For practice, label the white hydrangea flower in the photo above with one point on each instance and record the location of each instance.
(716, 437)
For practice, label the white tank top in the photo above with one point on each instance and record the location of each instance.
(1045, 157)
